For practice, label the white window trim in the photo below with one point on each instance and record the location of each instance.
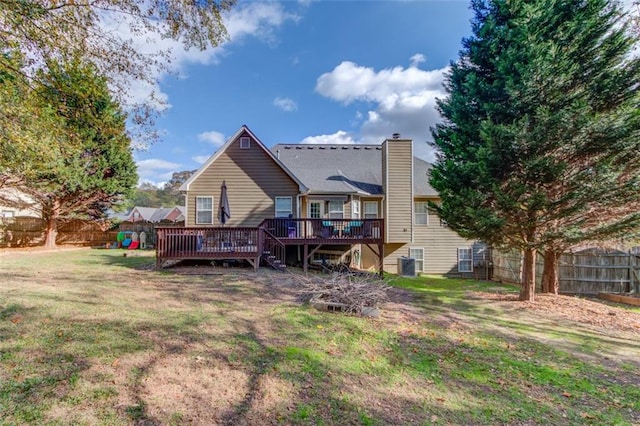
(425, 214)
(355, 209)
(320, 205)
(371, 203)
(421, 260)
(341, 211)
(275, 205)
(468, 260)
(198, 210)
(245, 142)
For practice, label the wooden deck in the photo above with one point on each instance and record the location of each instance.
(267, 241)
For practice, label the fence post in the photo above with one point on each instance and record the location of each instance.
(630, 270)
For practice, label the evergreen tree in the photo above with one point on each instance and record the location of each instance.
(539, 149)
(88, 166)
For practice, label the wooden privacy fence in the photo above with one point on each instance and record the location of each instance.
(586, 272)
(29, 232)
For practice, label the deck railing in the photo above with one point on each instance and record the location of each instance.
(249, 243)
(193, 242)
(289, 229)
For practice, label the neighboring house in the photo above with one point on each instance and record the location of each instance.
(332, 182)
(14, 203)
(155, 215)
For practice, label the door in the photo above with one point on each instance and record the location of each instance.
(315, 210)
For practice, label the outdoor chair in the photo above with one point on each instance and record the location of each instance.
(328, 229)
(354, 228)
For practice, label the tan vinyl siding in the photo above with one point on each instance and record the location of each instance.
(397, 161)
(391, 251)
(253, 181)
(440, 245)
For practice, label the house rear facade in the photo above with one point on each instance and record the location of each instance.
(333, 182)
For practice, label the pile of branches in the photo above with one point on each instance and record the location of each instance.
(352, 291)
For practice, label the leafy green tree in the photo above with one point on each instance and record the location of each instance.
(539, 149)
(88, 166)
(37, 33)
(149, 195)
(100, 31)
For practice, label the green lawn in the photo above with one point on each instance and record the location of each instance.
(92, 337)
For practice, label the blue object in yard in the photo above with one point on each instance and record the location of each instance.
(126, 242)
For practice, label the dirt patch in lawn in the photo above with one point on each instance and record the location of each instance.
(590, 312)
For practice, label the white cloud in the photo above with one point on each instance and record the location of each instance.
(285, 104)
(417, 59)
(251, 19)
(340, 137)
(214, 138)
(200, 159)
(403, 100)
(156, 171)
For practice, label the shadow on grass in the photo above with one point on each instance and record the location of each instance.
(340, 369)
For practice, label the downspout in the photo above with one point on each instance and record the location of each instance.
(299, 210)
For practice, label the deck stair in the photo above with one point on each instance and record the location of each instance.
(273, 261)
(274, 251)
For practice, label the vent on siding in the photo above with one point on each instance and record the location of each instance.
(245, 142)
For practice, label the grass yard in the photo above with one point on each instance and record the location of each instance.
(92, 337)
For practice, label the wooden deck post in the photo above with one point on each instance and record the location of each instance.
(305, 262)
(381, 259)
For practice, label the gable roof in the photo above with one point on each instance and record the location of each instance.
(335, 168)
(236, 135)
(152, 214)
(146, 213)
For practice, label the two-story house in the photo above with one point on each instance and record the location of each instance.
(367, 204)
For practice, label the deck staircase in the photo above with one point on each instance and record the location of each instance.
(274, 251)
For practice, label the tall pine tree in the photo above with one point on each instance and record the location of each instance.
(540, 147)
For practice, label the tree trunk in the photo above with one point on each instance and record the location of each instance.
(50, 213)
(550, 278)
(527, 291)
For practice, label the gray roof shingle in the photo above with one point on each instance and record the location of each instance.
(345, 168)
(334, 168)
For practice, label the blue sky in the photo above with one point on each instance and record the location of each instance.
(308, 72)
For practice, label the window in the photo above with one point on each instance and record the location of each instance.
(204, 210)
(336, 210)
(421, 212)
(284, 206)
(245, 142)
(465, 260)
(355, 209)
(315, 209)
(370, 209)
(418, 255)
(8, 213)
